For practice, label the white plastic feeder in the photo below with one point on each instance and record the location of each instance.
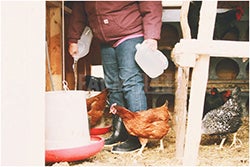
(66, 120)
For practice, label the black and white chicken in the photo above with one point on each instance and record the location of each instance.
(225, 119)
(224, 21)
(215, 99)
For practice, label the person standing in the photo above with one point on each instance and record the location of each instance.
(119, 26)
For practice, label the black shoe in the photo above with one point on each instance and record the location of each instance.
(120, 133)
(130, 145)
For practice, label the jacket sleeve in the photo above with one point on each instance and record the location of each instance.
(77, 22)
(151, 12)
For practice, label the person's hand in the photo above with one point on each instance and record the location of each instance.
(73, 49)
(150, 43)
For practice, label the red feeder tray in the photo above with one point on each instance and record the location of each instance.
(75, 154)
(100, 131)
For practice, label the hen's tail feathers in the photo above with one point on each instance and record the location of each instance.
(166, 103)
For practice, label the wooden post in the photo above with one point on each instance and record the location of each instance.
(198, 85)
(196, 53)
(181, 87)
(22, 83)
(54, 32)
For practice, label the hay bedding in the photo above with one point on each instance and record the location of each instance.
(208, 154)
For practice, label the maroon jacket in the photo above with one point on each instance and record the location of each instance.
(111, 21)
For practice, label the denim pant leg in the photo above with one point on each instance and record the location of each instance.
(111, 75)
(131, 75)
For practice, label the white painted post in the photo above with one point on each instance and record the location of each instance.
(22, 83)
(198, 85)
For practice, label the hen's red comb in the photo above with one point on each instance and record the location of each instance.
(228, 93)
(239, 12)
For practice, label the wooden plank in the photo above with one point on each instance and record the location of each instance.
(58, 4)
(166, 3)
(180, 108)
(198, 85)
(215, 48)
(55, 47)
(181, 86)
(184, 20)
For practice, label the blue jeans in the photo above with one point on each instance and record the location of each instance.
(123, 77)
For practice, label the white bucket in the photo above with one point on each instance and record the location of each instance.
(66, 120)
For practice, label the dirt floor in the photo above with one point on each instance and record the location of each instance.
(209, 155)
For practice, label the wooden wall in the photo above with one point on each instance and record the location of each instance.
(61, 66)
(54, 38)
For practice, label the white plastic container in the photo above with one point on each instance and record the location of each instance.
(66, 120)
(152, 62)
(84, 43)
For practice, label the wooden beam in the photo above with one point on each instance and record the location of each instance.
(181, 88)
(55, 47)
(215, 48)
(180, 108)
(58, 4)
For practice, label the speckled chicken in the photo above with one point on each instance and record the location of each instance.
(225, 119)
(96, 106)
(146, 124)
(215, 99)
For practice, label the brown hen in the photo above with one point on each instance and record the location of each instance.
(145, 124)
(96, 106)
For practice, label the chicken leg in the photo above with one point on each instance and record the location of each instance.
(143, 142)
(235, 141)
(141, 149)
(161, 148)
(221, 143)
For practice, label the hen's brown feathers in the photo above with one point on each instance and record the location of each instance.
(151, 123)
(96, 106)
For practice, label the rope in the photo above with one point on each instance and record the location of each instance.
(63, 43)
(75, 72)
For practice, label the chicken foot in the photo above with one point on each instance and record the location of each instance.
(141, 149)
(143, 142)
(235, 141)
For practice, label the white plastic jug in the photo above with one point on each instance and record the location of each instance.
(84, 43)
(66, 124)
(152, 62)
